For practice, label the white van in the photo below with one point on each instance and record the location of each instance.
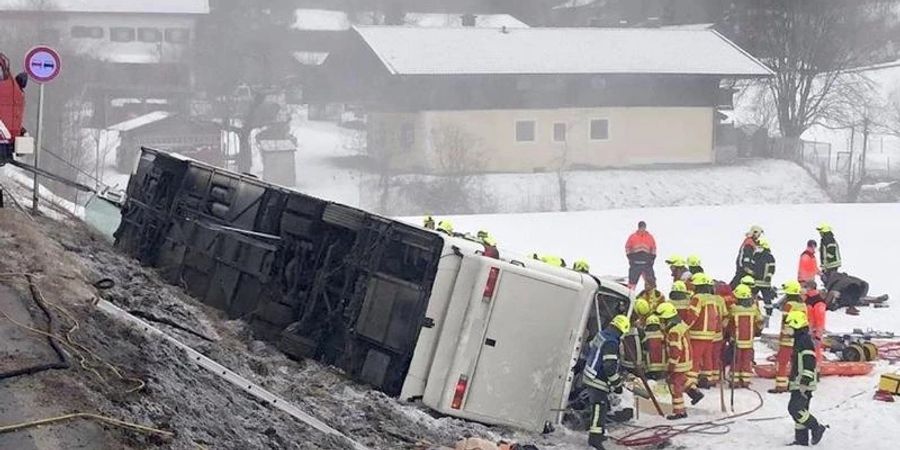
(505, 337)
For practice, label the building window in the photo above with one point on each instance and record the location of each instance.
(559, 132)
(149, 35)
(87, 32)
(524, 131)
(599, 129)
(408, 135)
(178, 35)
(120, 34)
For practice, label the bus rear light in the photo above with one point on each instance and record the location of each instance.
(460, 392)
(491, 285)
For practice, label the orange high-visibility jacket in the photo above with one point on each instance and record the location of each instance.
(640, 241)
(787, 334)
(746, 323)
(703, 316)
(655, 349)
(808, 267)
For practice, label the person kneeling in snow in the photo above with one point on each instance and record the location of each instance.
(804, 376)
(848, 291)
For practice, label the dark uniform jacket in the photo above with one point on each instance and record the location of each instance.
(601, 370)
(763, 268)
(804, 374)
(829, 252)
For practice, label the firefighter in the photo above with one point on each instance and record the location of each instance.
(581, 266)
(704, 320)
(694, 264)
(804, 376)
(654, 343)
(428, 222)
(724, 299)
(816, 307)
(553, 260)
(652, 296)
(445, 226)
(489, 243)
(640, 249)
(744, 261)
(829, 251)
(763, 270)
(642, 309)
(791, 302)
(746, 324)
(680, 296)
(809, 265)
(679, 269)
(601, 375)
(678, 352)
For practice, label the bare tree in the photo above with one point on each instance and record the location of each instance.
(809, 44)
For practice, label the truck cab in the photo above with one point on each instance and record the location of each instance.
(504, 336)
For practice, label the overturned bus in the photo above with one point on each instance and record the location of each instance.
(414, 313)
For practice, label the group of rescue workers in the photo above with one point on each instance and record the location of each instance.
(688, 337)
(704, 325)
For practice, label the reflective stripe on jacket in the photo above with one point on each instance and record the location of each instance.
(704, 316)
(746, 322)
(787, 334)
(655, 346)
(804, 373)
(678, 348)
(829, 252)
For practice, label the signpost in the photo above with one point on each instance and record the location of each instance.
(42, 64)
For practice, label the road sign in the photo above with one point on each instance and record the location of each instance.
(42, 64)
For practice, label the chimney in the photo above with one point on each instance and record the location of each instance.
(468, 20)
(504, 30)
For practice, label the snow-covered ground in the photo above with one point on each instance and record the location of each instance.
(867, 237)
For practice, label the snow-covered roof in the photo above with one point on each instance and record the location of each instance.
(445, 51)
(320, 20)
(111, 6)
(140, 121)
(333, 20)
(433, 20)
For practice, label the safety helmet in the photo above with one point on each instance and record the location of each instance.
(675, 260)
(796, 319)
(792, 287)
(680, 286)
(652, 319)
(763, 242)
(742, 291)
(755, 231)
(489, 240)
(666, 310)
(581, 266)
(428, 222)
(482, 234)
(748, 280)
(642, 306)
(622, 323)
(693, 261)
(446, 226)
(701, 279)
(823, 228)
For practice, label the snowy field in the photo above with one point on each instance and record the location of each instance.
(868, 242)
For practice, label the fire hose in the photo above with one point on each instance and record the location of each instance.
(661, 433)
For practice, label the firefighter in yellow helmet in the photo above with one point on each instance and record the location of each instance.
(803, 379)
(601, 375)
(581, 266)
(552, 260)
(745, 325)
(652, 296)
(705, 315)
(678, 352)
(694, 264)
(792, 302)
(829, 251)
(680, 297)
(654, 343)
(679, 269)
(445, 226)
